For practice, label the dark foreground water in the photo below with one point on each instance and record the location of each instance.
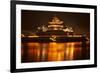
(41, 52)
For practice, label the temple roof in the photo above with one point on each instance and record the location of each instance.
(55, 21)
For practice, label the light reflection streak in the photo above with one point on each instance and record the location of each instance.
(53, 51)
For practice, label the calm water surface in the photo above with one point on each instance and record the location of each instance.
(41, 52)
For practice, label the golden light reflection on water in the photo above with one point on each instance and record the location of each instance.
(70, 50)
(53, 51)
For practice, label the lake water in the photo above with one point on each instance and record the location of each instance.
(42, 52)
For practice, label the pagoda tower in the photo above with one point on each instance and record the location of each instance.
(54, 27)
(55, 24)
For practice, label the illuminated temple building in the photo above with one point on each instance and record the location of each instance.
(55, 27)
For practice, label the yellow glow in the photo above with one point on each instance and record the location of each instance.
(33, 36)
(53, 51)
(55, 25)
(22, 35)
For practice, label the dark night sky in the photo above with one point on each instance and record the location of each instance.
(80, 22)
